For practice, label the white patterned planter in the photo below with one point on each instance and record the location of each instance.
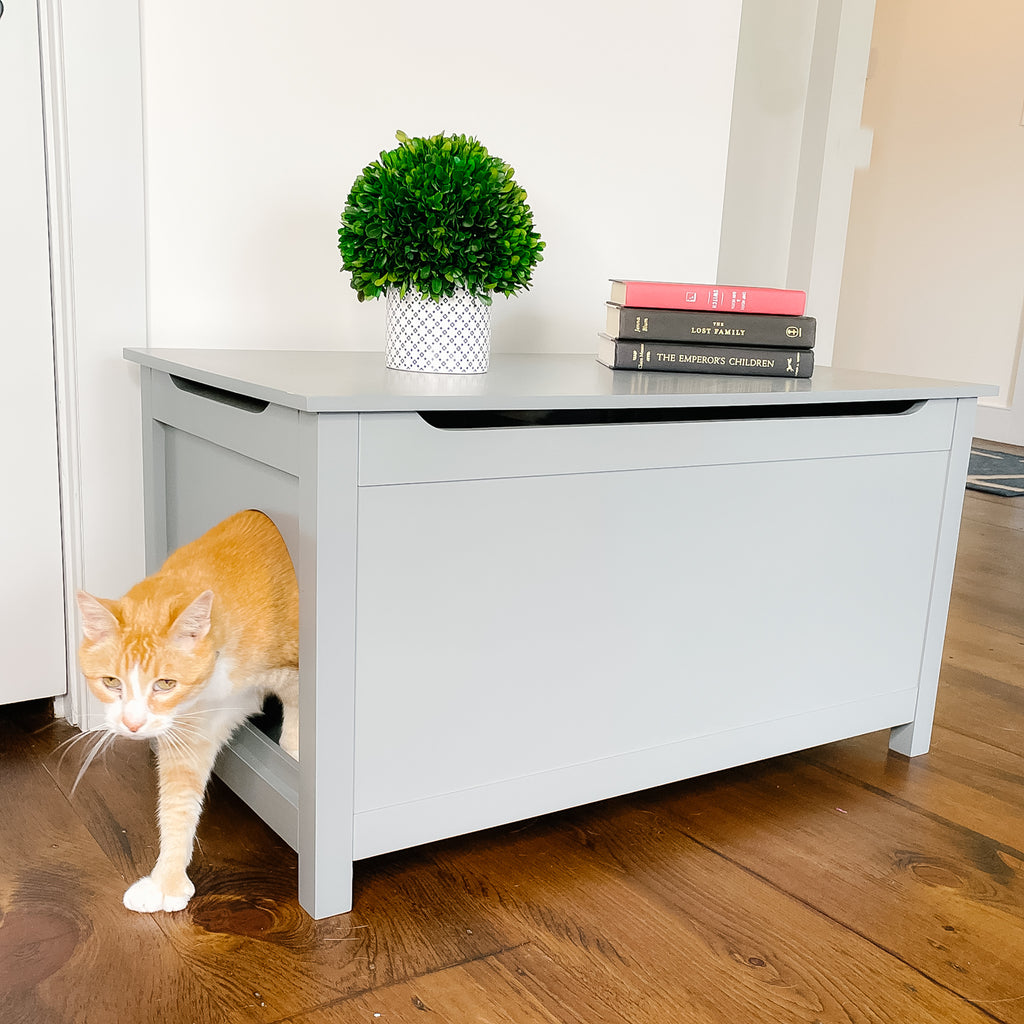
(449, 336)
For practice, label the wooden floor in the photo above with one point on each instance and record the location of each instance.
(841, 884)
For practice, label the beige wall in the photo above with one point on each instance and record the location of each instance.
(934, 276)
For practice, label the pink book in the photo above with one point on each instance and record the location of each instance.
(724, 297)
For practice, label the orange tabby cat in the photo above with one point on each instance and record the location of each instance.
(184, 658)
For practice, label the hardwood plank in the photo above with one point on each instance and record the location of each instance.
(989, 607)
(984, 708)
(69, 951)
(994, 511)
(488, 991)
(988, 582)
(994, 552)
(656, 927)
(961, 779)
(244, 932)
(115, 797)
(983, 650)
(946, 900)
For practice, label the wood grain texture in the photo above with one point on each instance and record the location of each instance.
(843, 884)
(950, 900)
(494, 990)
(66, 942)
(245, 935)
(682, 928)
(962, 780)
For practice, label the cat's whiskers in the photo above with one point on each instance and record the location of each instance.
(105, 739)
(199, 712)
(182, 741)
(181, 744)
(67, 745)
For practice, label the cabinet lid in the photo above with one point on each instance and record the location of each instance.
(332, 381)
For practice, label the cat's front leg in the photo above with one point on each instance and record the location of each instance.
(183, 774)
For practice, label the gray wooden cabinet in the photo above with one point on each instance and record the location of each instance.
(554, 583)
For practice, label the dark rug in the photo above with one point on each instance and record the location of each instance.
(996, 473)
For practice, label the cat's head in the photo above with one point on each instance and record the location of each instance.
(145, 663)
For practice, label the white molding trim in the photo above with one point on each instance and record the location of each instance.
(834, 145)
(810, 176)
(1002, 419)
(58, 193)
(91, 64)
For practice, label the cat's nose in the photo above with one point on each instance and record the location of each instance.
(133, 716)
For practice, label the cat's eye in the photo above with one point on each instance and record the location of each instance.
(163, 685)
(112, 684)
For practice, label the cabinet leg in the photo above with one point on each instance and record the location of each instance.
(327, 614)
(911, 739)
(325, 882)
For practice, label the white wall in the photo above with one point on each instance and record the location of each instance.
(259, 115)
(254, 118)
(104, 122)
(934, 281)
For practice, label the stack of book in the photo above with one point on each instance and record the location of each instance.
(707, 328)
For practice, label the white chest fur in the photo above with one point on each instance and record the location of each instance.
(224, 702)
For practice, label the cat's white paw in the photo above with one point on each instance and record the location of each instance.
(147, 896)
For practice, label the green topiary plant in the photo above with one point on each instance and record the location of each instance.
(435, 214)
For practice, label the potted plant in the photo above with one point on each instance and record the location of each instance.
(438, 226)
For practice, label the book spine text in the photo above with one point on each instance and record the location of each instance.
(685, 358)
(717, 328)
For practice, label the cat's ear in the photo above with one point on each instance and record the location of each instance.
(193, 623)
(98, 622)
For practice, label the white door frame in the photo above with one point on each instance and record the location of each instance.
(790, 174)
(92, 113)
(1004, 422)
(58, 198)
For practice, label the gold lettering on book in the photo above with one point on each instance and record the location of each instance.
(702, 359)
(718, 327)
(642, 325)
(747, 361)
